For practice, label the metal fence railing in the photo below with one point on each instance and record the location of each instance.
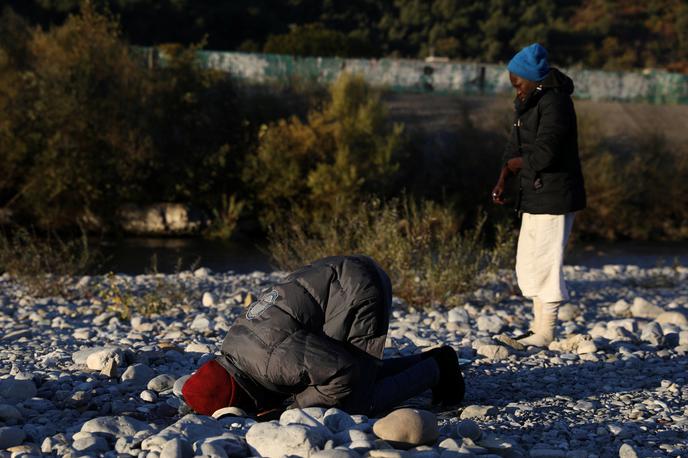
(652, 86)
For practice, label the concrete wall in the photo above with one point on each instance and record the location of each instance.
(408, 75)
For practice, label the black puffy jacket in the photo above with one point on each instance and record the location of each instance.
(545, 133)
(314, 340)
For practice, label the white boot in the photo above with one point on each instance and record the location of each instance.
(544, 332)
(537, 315)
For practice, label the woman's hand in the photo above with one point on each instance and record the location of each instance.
(497, 193)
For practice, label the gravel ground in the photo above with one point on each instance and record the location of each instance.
(78, 380)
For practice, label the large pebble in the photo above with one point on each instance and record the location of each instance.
(15, 390)
(337, 420)
(493, 352)
(208, 299)
(457, 315)
(226, 444)
(138, 374)
(568, 312)
(406, 428)
(176, 448)
(11, 436)
(490, 323)
(641, 308)
(627, 451)
(653, 334)
(272, 439)
(99, 358)
(161, 382)
(179, 384)
(468, 429)
(477, 411)
(92, 445)
(190, 427)
(10, 413)
(116, 426)
(620, 309)
(679, 318)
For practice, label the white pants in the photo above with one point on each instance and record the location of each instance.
(540, 256)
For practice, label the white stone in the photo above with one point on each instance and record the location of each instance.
(226, 444)
(161, 382)
(98, 359)
(190, 427)
(406, 428)
(653, 334)
(490, 323)
(176, 448)
(620, 309)
(92, 444)
(208, 299)
(148, 396)
(627, 451)
(138, 374)
(477, 411)
(493, 352)
(179, 384)
(200, 323)
(202, 272)
(641, 308)
(457, 315)
(272, 439)
(568, 312)
(195, 347)
(676, 317)
(118, 426)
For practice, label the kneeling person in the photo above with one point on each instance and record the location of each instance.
(317, 339)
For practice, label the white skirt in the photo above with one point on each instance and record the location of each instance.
(540, 256)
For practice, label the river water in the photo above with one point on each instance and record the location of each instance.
(167, 255)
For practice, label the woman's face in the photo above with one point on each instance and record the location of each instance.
(523, 86)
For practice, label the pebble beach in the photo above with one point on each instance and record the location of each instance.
(79, 379)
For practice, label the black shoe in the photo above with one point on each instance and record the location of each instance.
(527, 334)
(451, 388)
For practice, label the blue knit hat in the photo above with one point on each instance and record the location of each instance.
(530, 63)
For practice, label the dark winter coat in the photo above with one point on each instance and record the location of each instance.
(314, 340)
(546, 135)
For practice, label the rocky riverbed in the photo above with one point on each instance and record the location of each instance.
(78, 379)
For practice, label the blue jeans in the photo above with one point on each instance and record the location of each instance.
(399, 379)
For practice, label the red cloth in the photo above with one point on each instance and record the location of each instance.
(210, 388)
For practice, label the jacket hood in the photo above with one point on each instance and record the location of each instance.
(556, 79)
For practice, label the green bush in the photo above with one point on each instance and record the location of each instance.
(429, 258)
(636, 189)
(323, 166)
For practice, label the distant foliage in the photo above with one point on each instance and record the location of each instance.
(322, 166)
(422, 246)
(611, 34)
(636, 189)
(45, 264)
(86, 127)
(316, 40)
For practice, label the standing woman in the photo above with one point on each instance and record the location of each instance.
(542, 153)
